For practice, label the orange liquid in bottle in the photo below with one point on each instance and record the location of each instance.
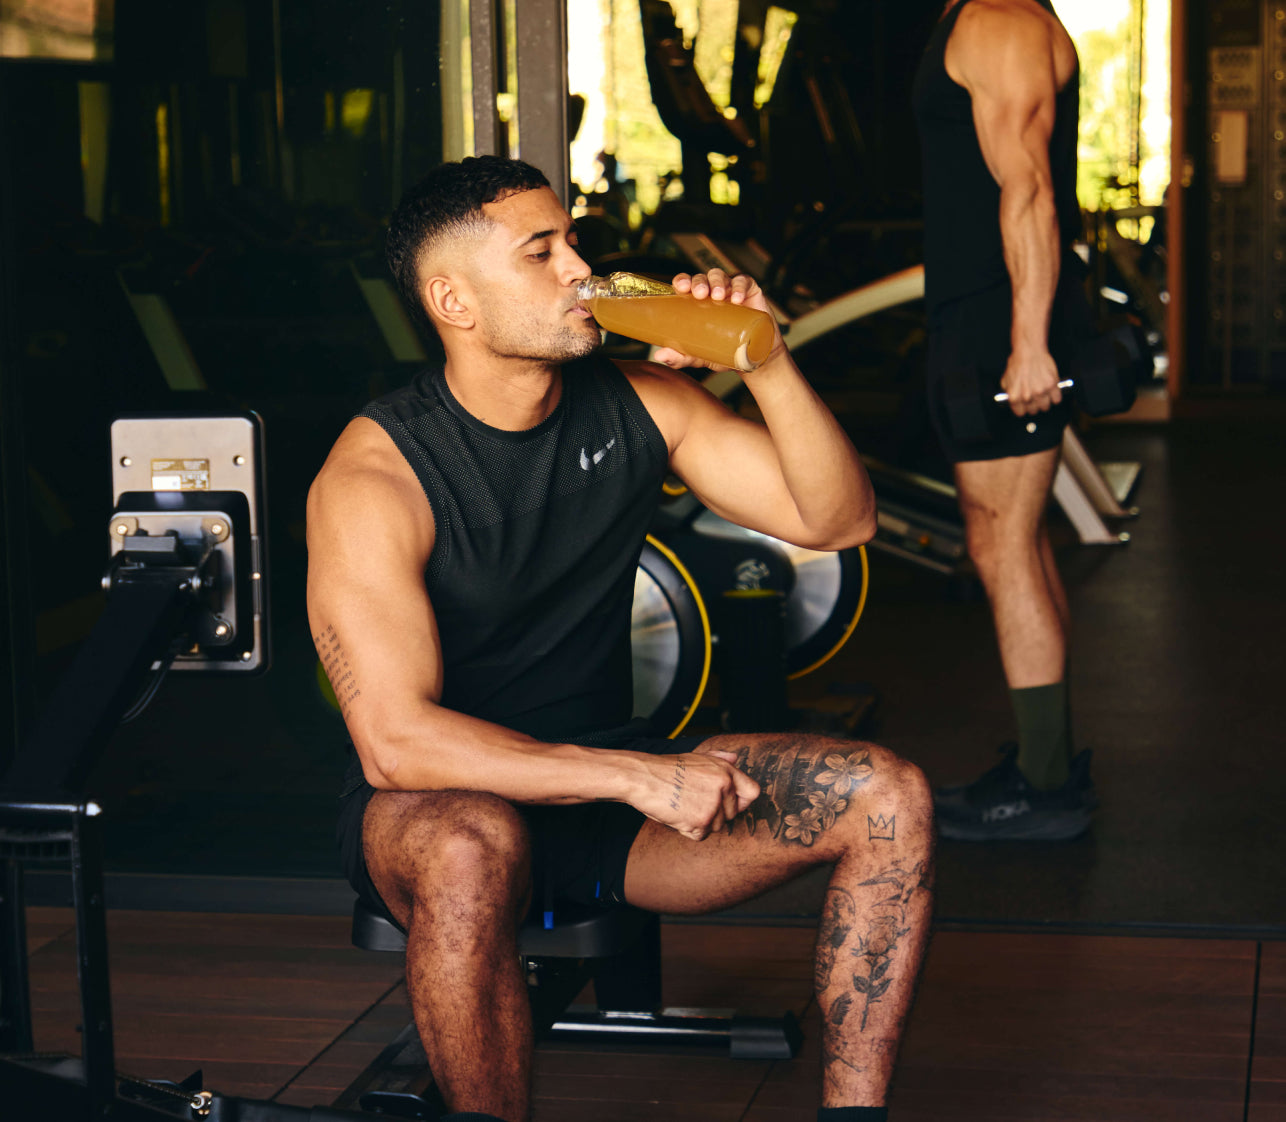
(728, 334)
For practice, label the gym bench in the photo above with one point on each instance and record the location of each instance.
(619, 950)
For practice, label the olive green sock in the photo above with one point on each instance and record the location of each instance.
(1044, 734)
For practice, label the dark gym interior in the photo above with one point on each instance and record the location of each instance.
(192, 199)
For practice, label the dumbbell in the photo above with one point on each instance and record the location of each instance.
(1103, 379)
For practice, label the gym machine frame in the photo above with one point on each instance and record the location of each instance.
(185, 590)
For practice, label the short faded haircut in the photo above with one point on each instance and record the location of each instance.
(448, 203)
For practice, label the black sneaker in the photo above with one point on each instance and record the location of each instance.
(1001, 805)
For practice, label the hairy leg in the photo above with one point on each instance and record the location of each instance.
(850, 805)
(1003, 502)
(453, 867)
(1054, 580)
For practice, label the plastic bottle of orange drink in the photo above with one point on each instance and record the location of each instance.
(653, 312)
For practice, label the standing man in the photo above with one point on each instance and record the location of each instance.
(996, 98)
(473, 540)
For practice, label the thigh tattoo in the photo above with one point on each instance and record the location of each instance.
(802, 792)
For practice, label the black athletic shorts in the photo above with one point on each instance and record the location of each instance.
(975, 331)
(578, 851)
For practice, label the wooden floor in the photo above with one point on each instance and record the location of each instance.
(1006, 1026)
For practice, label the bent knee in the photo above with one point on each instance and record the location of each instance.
(474, 835)
(899, 788)
(457, 838)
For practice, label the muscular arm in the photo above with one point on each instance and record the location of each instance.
(1008, 57)
(370, 532)
(796, 476)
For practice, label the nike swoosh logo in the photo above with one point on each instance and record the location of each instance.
(585, 460)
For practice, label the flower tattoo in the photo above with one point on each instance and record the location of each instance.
(804, 825)
(844, 774)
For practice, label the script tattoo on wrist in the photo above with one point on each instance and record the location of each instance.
(680, 776)
(335, 663)
(802, 792)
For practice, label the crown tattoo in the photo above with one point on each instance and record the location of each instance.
(881, 828)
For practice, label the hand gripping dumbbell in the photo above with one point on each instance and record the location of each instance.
(1103, 378)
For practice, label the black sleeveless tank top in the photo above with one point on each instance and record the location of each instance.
(538, 535)
(963, 253)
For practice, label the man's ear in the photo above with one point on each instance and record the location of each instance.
(447, 303)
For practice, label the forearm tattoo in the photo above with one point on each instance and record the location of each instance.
(335, 663)
(801, 796)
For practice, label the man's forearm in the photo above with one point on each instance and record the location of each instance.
(1030, 235)
(822, 470)
(440, 749)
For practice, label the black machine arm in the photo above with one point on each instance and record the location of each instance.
(181, 586)
(154, 583)
(178, 587)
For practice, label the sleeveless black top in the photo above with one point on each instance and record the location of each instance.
(538, 536)
(963, 253)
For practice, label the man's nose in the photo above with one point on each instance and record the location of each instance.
(575, 269)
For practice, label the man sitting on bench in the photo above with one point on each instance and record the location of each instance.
(473, 540)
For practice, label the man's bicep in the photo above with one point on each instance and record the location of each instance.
(731, 465)
(372, 621)
(1014, 127)
(729, 462)
(1008, 68)
(375, 633)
